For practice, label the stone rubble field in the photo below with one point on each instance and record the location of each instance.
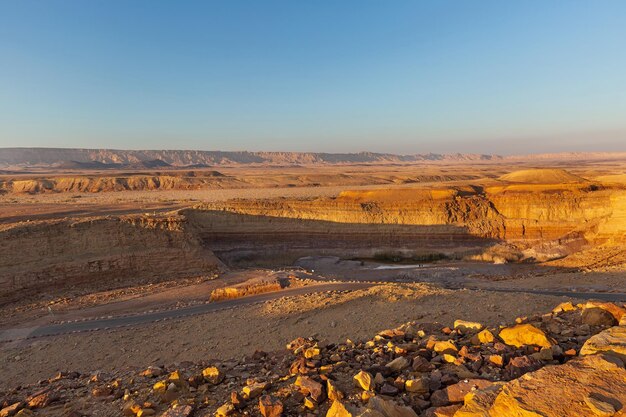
(567, 363)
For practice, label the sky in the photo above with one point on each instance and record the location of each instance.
(329, 76)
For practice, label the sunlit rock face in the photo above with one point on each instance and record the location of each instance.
(531, 212)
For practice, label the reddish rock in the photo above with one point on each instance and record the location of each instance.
(41, 399)
(309, 386)
(455, 393)
(520, 365)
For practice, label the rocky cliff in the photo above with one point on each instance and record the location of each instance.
(138, 182)
(528, 213)
(97, 253)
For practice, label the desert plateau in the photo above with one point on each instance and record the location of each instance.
(305, 284)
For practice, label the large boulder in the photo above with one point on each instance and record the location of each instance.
(598, 317)
(616, 311)
(523, 335)
(611, 341)
(579, 388)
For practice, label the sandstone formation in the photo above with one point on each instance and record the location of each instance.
(136, 182)
(98, 253)
(543, 221)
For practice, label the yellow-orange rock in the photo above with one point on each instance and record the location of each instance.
(364, 380)
(524, 335)
(559, 390)
(484, 336)
(467, 326)
(337, 409)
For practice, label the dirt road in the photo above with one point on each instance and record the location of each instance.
(150, 317)
(132, 320)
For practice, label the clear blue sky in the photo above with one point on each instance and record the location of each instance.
(398, 76)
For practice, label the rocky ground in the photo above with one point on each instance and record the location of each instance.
(567, 362)
(221, 335)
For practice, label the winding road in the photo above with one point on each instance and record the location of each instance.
(150, 317)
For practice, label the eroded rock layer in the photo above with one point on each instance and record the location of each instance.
(511, 213)
(100, 252)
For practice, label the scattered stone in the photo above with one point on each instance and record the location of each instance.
(179, 411)
(253, 390)
(446, 346)
(389, 408)
(41, 399)
(418, 385)
(337, 409)
(520, 365)
(11, 410)
(455, 393)
(103, 391)
(420, 364)
(309, 386)
(483, 337)
(398, 364)
(364, 380)
(270, 406)
(225, 410)
(152, 372)
(333, 392)
(497, 360)
(416, 370)
(312, 353)
(467, 326)
(388, 389)
(212, 375)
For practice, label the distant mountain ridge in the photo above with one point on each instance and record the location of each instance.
(101, 158)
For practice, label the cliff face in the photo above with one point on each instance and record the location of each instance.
(100, 253)
(114, 183)
(539, 213)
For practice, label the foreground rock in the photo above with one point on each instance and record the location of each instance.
(611, 341)
(528, 369)
(588, 386)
